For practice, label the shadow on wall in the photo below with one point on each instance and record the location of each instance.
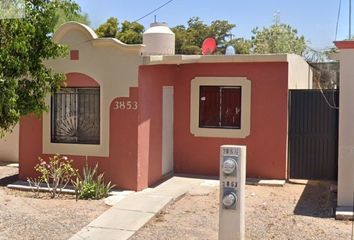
(317, 200)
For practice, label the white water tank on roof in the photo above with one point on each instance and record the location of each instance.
(159, 40)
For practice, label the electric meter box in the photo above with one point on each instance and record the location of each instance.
(232, 192)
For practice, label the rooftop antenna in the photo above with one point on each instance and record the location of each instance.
(276, 17)
(154, 18)
(231, 36)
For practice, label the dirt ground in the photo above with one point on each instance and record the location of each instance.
(24, 217)
(295, 212)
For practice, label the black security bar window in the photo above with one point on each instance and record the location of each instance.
(75, 116)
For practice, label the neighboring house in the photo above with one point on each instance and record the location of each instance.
(9, 146)
(345, 56)
(142, 116)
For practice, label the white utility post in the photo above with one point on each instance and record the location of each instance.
(232, 192)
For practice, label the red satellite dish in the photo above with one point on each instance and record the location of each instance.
(209, 46)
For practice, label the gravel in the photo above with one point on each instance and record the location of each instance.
(295, 212)
(24, 217)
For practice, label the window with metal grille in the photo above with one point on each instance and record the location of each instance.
(220, 107)
(76, 116)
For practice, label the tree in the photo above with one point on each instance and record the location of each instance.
(278, 38)
(24, 45)
(189, 39)
(241, 45)
(316, 56)
(131, 33)
(180, 38)
(108, 29)
(183, 42)
(221, 31)
(197, 31)
(71, 12)
(11, 8)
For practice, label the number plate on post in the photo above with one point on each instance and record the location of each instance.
(232, 192)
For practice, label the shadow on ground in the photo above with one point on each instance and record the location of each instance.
(8, 173)
(317, 200)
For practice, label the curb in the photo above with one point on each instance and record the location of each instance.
(24, 186)
(265, 182)
(8, 179)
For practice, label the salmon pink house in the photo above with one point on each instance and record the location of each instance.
(142, 112)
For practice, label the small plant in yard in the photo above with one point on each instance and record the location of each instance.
(91, 185)
(35, 184)
(57, 173)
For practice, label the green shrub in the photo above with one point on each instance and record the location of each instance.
(91, 185)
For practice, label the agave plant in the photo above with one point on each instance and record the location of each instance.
(91, 185)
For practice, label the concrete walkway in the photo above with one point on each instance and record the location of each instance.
(132, 212)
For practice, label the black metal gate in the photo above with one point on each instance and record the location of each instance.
(313, 134)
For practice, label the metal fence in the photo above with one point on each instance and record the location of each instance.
(313, 134)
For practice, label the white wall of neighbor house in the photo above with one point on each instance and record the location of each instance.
(300, 73)
(346, 129)
(9, 146)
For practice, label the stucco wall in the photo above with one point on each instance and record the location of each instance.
(111, 63)
(121, 165)
(346, 129)
(9, 146)
(113, 66)
(151, 82)
(266, 144)
(300, 73)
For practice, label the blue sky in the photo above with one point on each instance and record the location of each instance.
(315, 19)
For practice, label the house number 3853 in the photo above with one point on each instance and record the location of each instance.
(125, 105)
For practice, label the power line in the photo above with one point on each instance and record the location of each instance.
(154, 10)
(350, 19)
(338, 16)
